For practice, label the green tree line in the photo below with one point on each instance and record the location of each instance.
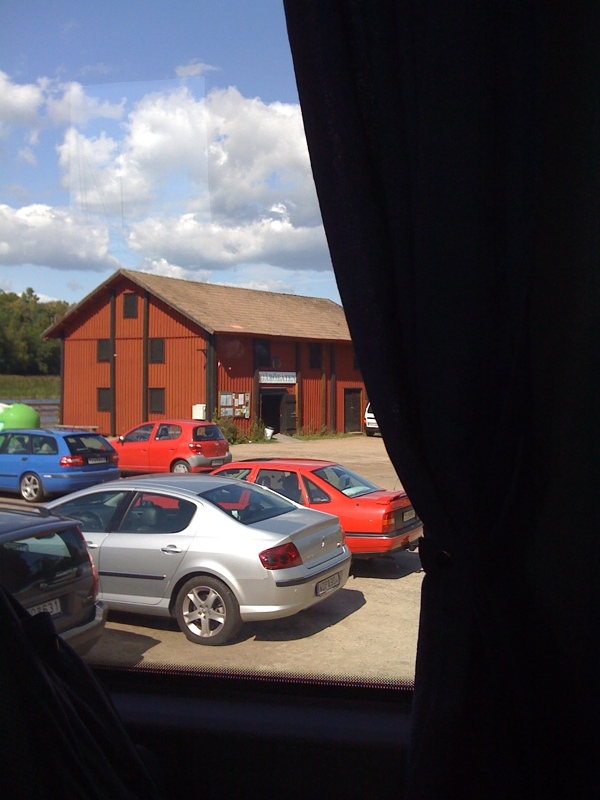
(23, 319)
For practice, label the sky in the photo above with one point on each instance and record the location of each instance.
(157, 136)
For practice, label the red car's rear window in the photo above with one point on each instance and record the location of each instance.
(207, 433)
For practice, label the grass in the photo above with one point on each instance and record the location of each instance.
(305, 435)
(29, 387)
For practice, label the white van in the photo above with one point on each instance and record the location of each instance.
(371, 426)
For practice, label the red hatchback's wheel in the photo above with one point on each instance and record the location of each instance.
(180, 466)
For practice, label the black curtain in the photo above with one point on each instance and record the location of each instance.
(455, 148)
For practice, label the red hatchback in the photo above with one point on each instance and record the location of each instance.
(173, 446)
(375, 521)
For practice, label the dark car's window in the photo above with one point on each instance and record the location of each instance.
(97, 512)
(345, 481)
(26, 563)
(207, 433)
(314, 493)
(247, 503)
(84, 444)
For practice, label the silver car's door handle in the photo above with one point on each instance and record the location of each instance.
(171, 548)
(91, 545)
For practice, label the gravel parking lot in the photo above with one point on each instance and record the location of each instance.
(368, 629)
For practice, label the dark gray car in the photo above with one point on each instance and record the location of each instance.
(45, 564)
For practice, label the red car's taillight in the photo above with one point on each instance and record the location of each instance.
(195, 447)
(388, 523)
(281, 557)
(72, 461)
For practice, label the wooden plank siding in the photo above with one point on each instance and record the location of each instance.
(200, 362)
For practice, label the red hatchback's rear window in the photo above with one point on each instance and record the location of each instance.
(207, 433)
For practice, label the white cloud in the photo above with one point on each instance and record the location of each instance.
(19, 105)
(195, 69)
(181, 185)
(52, 237)
(72, 106)
(187, 242)
(27, 156)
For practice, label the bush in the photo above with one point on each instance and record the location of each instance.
(229, 430)
(257, 431)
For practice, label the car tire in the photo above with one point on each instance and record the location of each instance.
(180, 466)
(207, 611)
(31, 488)
(369, 433)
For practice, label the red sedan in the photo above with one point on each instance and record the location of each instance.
(375, 521)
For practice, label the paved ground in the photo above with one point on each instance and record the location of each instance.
(366, 630)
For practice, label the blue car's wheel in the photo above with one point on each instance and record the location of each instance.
(31, 488)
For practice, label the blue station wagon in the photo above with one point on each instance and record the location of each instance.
(39, 463)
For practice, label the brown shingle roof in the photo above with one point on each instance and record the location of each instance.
(228, 309)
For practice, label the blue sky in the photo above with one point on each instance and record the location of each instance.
(164, 137)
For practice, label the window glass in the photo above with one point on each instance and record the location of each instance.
(157, 513)
(314, 493)
(103, 350)
(97, 512)
(156, 351)
(315, 356)
(140, 434)
(18, 443)
(86, 443)
(345, 481)
(246, 502)
(202, 175)
(156, 401)
(130, 306)
(168, 432)
(46, 558)
(104, 400)
(241, 473)
(282, 481)
(207, 433)
(44, 445)
(262, 353)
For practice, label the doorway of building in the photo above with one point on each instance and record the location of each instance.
(278, 410)
(352, 406)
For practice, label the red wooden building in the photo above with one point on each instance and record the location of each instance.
(146, 347)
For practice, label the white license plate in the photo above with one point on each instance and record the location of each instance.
(99, 460)
(216, 462)
(408, 515)
(53, 606)
(327, 584)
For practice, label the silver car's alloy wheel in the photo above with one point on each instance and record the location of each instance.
(31, 488)
(180, 466)
(207, 611)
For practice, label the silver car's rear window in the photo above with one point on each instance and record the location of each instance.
(247, 503)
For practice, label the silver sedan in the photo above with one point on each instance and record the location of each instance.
(212, 552)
